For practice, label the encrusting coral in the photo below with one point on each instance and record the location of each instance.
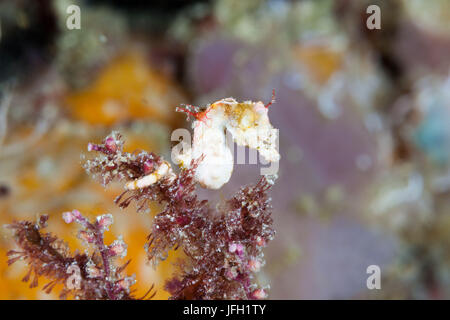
(222, 247)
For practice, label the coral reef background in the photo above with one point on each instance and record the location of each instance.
(364, 119)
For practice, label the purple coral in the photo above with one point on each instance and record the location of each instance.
(84, 276)
(223, 247)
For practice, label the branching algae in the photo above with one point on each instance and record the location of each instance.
(222, 247)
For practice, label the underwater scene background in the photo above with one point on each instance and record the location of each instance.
(363, 117)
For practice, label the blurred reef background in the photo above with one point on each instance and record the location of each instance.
(364, 120)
